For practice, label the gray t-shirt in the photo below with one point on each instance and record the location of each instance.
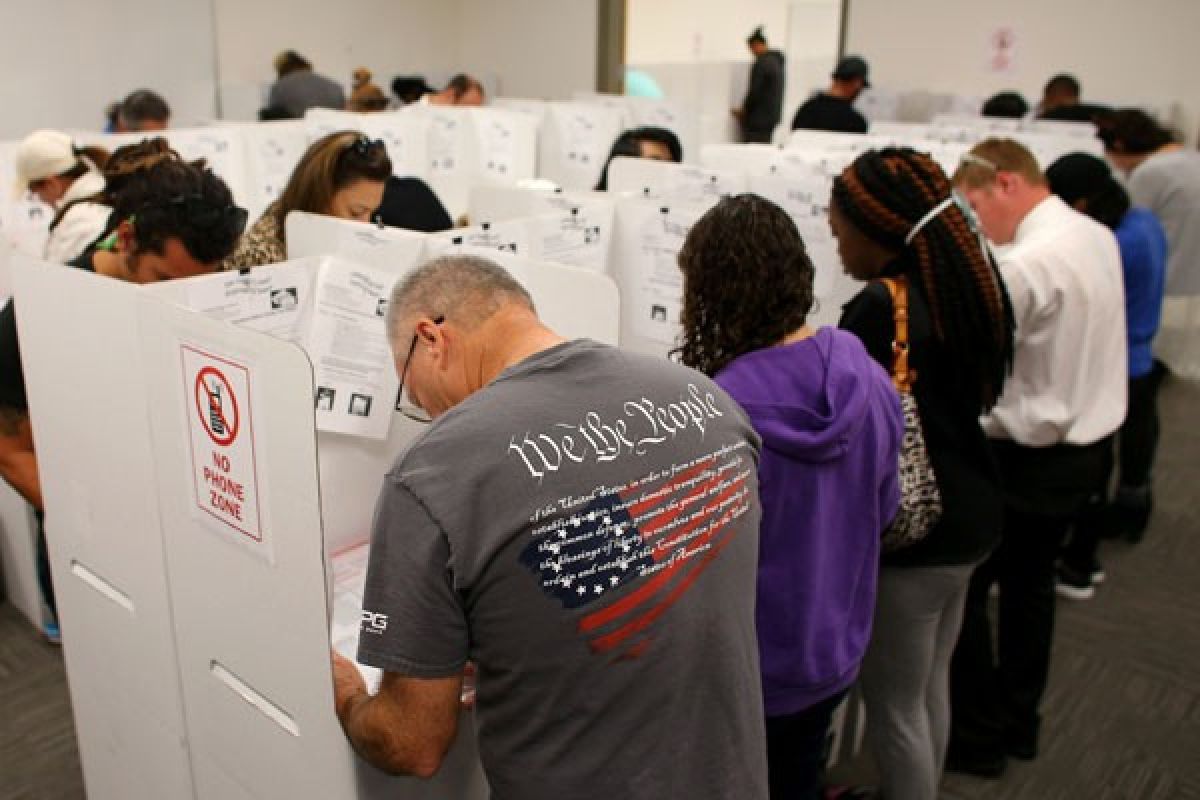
(299, 91)
(1169, 185)
(585, 529)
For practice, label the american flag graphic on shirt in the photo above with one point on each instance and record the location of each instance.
(631, 552)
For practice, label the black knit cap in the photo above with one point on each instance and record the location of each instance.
(1078, 175)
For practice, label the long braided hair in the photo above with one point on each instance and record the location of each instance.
(748, 282)
(885, 193)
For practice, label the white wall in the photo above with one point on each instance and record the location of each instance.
(386, 36)
(1122, 52)
(534, 48)
(64, 60)
(673, 31)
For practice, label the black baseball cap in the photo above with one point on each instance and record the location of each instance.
(852, 67)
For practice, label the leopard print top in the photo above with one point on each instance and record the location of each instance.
(261, 244)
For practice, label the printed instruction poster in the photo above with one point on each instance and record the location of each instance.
(271, 299)
(648, 255)
(347, 342)
(579, 235)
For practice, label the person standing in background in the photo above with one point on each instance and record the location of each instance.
(1086, 184)
(1051, 431)
(831, 426)
(894, 217)
(834, 110)
(298, 88)
(763, 106)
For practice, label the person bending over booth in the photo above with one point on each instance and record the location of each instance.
(657, 144)
(896, 220)
(177, 219)
(69, 178)
(1086, 183)
(831, 426)
(1051, 433)
(340, 175)
(579, 522)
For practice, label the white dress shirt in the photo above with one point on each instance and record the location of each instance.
(81, 225)
(1070, 369)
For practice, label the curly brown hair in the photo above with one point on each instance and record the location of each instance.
(748, 282)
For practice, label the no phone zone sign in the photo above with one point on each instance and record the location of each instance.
(224, 472)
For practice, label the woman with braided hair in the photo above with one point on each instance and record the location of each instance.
(894, 216)
(831, 426)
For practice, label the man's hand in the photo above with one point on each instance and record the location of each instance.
(348, 683)
(738, 113)
(407, 727)
(18, 461)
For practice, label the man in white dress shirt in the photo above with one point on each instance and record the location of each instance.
(1050, 432)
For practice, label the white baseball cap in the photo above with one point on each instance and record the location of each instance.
(43, 154)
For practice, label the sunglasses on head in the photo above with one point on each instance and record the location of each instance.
(367, 148)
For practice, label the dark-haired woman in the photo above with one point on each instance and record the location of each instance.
(657, 144)
(1086, 183)
(340, 175)
(831, 427)
(894, 215)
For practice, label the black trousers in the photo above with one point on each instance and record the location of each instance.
(756, 137)
(1137, 443)
(796, 750)
(1138, 437)
(995, 692)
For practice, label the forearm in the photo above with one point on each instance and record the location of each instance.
(20, 471)
(18, 461)
(392, 743)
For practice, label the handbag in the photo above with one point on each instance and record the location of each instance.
(920, 499)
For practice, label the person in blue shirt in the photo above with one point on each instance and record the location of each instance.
(1087, 184)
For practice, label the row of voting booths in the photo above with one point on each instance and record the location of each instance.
(209, 493)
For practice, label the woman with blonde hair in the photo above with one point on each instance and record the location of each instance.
(340, 175)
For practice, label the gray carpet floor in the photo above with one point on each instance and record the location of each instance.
(1122, 710)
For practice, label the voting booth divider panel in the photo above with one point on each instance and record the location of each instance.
(100, 482)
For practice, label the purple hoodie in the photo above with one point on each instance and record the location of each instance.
(831, 426)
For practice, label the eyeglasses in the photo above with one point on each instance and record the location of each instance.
(408, 409)
(202, 212)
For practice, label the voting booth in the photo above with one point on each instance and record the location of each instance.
(208, 506)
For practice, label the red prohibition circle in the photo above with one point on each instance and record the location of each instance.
(207, 408)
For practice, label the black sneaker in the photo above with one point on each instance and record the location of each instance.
(979, 765)
(1074, 584)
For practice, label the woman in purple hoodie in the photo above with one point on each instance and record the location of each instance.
(831, 427)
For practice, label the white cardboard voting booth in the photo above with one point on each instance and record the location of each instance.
(193, 517)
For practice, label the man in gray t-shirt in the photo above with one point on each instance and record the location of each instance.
(579, 522)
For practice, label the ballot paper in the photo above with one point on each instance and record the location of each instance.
(348, 346)
(273, 299)
(648, 256)
(511, 236)
(272, 151)
(579, 235)
(349, 580)
(497, 147)
(807, 202)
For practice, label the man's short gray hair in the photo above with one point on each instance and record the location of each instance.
(463, 288)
